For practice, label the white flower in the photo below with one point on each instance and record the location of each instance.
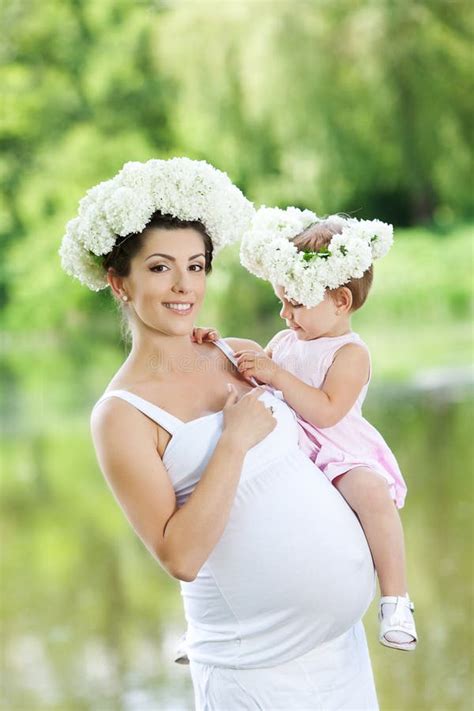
(94, 232)
(267, 250)
(127, 211)
(78, 262)
(186, 189)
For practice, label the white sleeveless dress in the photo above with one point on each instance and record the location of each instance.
(274, 613)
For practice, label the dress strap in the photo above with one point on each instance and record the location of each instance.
(227, 350)
(169, 422)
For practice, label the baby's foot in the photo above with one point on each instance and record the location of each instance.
(397, 626)
(181, 653)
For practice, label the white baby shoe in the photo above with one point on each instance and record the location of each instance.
(397, 626)
(181, 653)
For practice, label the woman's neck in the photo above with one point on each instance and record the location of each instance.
(154, 354)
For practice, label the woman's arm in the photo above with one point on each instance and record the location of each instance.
(180, 539)
(324, 406)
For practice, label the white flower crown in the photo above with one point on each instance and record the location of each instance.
(184, 188)
(267, 250)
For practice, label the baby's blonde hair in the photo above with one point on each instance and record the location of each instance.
(319, 235)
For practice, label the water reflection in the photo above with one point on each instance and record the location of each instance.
(90, 621)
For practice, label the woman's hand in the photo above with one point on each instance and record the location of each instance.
(203, 333)
(247, 420)
(255, 364)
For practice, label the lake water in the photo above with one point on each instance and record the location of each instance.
(90, 621)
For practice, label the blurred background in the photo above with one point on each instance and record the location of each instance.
(342, 105)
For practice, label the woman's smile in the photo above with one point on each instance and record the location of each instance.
(181, 308)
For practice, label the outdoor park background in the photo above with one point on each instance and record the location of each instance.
(361, 107)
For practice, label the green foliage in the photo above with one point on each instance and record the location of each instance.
(327, 108)
(341, 95)
(340, 106)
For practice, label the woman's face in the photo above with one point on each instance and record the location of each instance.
(167, 280)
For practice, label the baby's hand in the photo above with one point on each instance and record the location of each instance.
(255, 364)
(201, 334)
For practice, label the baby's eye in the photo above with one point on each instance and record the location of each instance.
(294, 304)
(158, 267)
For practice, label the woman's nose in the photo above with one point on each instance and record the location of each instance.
(181, 282)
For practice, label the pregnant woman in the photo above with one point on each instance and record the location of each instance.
(274, 568)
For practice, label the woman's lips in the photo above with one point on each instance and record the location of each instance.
(177, 308)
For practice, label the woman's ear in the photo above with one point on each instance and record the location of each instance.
(343, 299)
(115, 283)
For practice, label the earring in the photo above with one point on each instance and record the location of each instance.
(125, 297)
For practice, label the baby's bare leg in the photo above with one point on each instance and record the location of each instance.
(367, 493)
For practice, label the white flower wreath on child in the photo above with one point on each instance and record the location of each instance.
(267, 250)
(186, 189)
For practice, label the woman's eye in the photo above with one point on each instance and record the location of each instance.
(199, 267)
(158, 268)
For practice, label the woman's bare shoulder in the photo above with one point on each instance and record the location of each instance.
(110, 407)
(113, 416)
(238, 344)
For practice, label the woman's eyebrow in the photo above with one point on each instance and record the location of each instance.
(172, 259)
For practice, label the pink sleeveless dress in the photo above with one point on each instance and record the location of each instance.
(352, 442)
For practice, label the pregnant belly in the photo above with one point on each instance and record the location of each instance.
(291, 571)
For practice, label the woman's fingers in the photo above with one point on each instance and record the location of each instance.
(256, 392)
(232, 396)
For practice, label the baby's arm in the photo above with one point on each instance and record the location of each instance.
(325, 406)
(204, 333)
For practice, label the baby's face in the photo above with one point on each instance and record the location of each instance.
(308, 323)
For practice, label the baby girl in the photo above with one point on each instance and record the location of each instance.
(321, 271)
